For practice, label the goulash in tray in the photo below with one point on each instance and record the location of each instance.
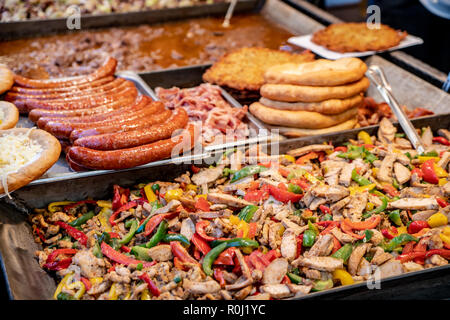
(271, 227)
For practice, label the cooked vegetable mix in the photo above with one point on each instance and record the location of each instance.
(282, 227)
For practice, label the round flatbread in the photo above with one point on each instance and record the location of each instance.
(6, 78)
(332, 106)
(299, 119)
(293, 93)
(9, 115)
(39, 164)
(297, 133)
(317, 73)
(357, 37)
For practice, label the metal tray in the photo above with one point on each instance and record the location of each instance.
(26, 280)
(404, 60)
(41, 27)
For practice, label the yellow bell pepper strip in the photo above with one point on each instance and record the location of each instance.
(289, 158)
(446, 231)
(364, 137)
(361, 189)
(81, 289)
(103, 217)
(149, 193)
(442, 182)
(53, 207)
(423, 159)
(145, 295)
(445, 238)
(441, 173)
(104, 204)
(96, 280)
(343, 276)
(67, 279)
(191, 187)
(437, 220)
(113, 292)
(173, 194)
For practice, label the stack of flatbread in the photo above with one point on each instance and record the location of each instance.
(313, 97)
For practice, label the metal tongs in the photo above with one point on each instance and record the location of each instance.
(376, 75)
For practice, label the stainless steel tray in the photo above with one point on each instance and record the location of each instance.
(26, 280)
(42, 27)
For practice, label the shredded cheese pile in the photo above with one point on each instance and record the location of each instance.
(16, 151)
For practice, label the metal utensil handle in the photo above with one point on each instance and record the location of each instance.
(376, 75)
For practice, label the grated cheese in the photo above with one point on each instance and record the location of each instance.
(16, 150)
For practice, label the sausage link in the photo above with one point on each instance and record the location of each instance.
(63, 130)
(107, 69)
(81, 87)
(122, 102)
(134, 138)
(139, 104)
(133, 125)
(132, 157)
(13, 96)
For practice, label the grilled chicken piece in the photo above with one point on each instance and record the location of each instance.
(414, 204)
(187, 228)
(402, 173)
(402, 143)
(446, 189)
(316, 203)
(160, 253)
(322, 247)
(364, 268)
(346, 174)
(319, 263)
(411, 266)
(386, 132)
(331, 170)
(259, 296)
(312, 273)
(314, 147)
(418, 192)
(227, 199)
(423, 215)
(342, 237)
(427, 137)
(90, 265)
(356, 256)
(444, 160)
(385, 172)
(288, 245)
(208, 175)
(356, 206)
(391, 268)
(292, 225)
(201, 287)
(380, 256)
(276, 291)
(275, 271)
(330, 193)
(338, 206)
(171, 206)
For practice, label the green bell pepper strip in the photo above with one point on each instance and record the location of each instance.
(352, 155)
(395, 217)
(64, 296)
(127, 238)
(247, 171)
(309, 237)
(139, 266)
(395, 184)
(140, 253)
(322, 285)
(211, 256)
(312, 227)
(247, 212)
(294, 188)
(294, 278)
(344, 252)
(399, 241)
(155, 205)
(236, 242)
(360, 179)
(377, 210)
(368, 235)
(159, 235)
(327, 217)
(155, 187)
(82, 220)
(97, 251)
(176, 237)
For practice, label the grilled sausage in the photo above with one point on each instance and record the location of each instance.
(107, 69)
(138, 124)
(63, 130)
(129, 139)
(132, 157)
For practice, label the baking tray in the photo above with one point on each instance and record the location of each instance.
(413, 65)
(42, 27)
(26, 280)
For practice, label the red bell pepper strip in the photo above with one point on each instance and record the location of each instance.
(121, 258)
(237, 266)
(39, 233)
(256, 195)
(348, 229)
(150, 284)
(389, 233)
(299, 245)
(416, 226)
(258, 260)
(441, 140)
(114, 235)
(200, 229)
(411, 256)
(286, 280)
(445, 253)
(226, 257)
(390, 190)
(429, 175)
(197, 254)
(58, 265)
(218, 275)
(421, 246)
(156, 220)
(442, 203)
(324, 209)
(283, 195)
(73, 205)
(120, 196)
(370, 223)
(179, 265)
(195, 169)
(202, 204)
(341, 148)
(446, 245)
(52, 256)
(336, 245)
(417, 171)
(125, 249)
(301, 183)
(181, 253)
(409, 247)
(74, 233)
(125, 207)
(87, 283)
(330, 225)
(252, 229)
(284, 172)
(200, 244)
(307, 157)
(272, 255)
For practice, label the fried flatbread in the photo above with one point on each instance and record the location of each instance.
(297, 132)
(357, 37)
(317, 73)
(293, 93)
(6, 78)
(244, 68)
(299, 119)
(9, 115)
(332, 106)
